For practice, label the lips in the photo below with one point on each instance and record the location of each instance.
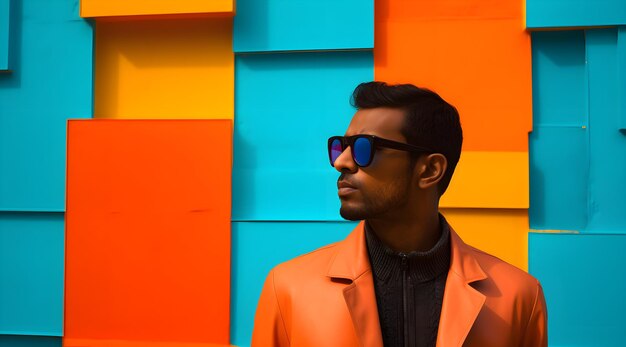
(344, 184)
(345, 188)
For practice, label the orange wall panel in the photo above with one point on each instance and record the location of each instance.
(480, 62)
(447, 9)
(489, 180)
(100, 8)
(148, 231)
(500, 232)
(166, 69)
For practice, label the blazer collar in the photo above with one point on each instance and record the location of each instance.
(461, 302)
(351, 259)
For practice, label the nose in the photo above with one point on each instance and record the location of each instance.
(345, 163)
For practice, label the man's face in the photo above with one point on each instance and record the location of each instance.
(385, 185)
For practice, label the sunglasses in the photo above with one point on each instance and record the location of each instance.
(364, 147)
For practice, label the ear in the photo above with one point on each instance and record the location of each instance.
(430, 170)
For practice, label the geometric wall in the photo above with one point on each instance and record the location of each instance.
(158, 158)
(147, 232)
(46, 73)
(578, 167)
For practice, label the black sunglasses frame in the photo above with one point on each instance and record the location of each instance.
(375, 142)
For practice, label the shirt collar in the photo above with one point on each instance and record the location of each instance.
(422, 266)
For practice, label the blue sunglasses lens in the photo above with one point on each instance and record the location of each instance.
(335, 150)
(362, 151)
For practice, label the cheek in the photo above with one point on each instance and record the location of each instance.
(386, 184)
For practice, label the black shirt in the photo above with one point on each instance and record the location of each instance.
(409, 289)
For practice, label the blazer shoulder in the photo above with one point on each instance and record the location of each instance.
(505, 274)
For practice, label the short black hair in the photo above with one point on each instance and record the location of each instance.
(429, 120)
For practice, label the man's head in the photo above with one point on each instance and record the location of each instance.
(398, 179)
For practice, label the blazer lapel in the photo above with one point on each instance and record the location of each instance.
(351, 265)
(461, 302)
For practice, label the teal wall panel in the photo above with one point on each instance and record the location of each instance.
(559, 175)
(286, 107)
(621, 65)
(286, 25)
(31, 273)
(51, 81)
(583, 281)
(30, 341)
(559, 143)
(607, 175)
(257, 248)
(580, 13)
(559, 78)
(5, 6)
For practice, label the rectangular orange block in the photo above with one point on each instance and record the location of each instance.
(448, 9)
(489, 180)
(107, 8)
(482, 65)
(165, 69)
(499, 232)
(148, 231)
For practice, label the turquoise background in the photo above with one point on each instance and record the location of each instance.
(574, 13)
(297, 25)
(584, 284)
(577, 184)
(286, 107)
(31, 273)
(5, 9)
(50, 82)
(50, 52)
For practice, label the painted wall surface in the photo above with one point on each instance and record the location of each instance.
(583, 284)
(190, 96)
(578, 167)
(31, 273)
(147, 69)
(286, 25)
(577, 151)
(48, 49)
(112, 8)
(5, 28)
(50, 82)
(572, 14)
(148, 234)
(288, 105)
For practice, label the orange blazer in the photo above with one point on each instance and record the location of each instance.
(326, 298)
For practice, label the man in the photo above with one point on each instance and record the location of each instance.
(403, 277)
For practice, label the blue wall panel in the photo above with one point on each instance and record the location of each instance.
(257, 248)
(282, 25)
(558, 145)
(4, 34)
(584, 284)
(559, 78)
(607, 175)
(287, 105)
(31, 273)
(51, 59)
(30, 341)
(568, 13)
(621, 62)
(559, 175)
(621, 65)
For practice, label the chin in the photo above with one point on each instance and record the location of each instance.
(351, 214)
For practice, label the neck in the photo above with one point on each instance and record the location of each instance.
(413, 232)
